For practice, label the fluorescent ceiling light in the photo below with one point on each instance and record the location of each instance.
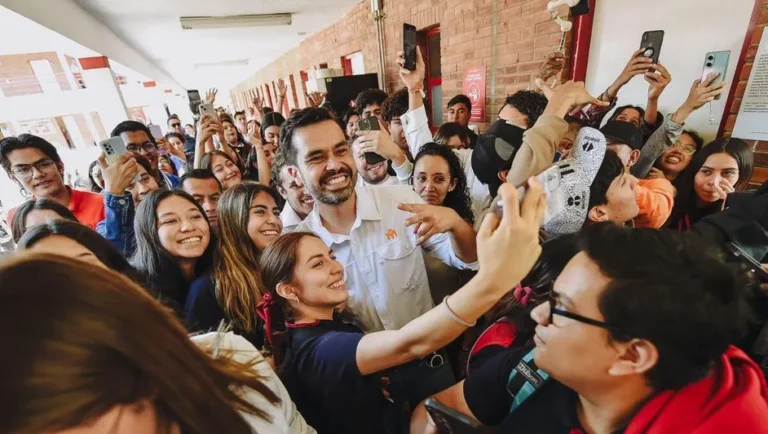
(235, 21)
(223, 64)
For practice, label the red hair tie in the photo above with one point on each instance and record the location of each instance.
(262, 309)
(522, 294)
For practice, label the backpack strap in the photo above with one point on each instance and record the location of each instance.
(524, 380)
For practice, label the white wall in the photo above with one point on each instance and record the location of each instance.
(692, 28)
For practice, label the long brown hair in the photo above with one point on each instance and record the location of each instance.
(238, 279)
(84, 339)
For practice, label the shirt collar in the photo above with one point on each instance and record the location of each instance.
(289, 216)
(365, 208)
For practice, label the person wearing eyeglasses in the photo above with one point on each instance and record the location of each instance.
(626, 346)
(138, 139)
(35, 165)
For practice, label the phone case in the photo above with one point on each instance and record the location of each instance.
(716, 61)
(409, 46)
(207, 109)
(113, 148)
(155, 130)
(652, 41)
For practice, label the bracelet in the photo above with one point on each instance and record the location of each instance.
(455, 317)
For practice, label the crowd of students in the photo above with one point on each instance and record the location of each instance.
(260, 273)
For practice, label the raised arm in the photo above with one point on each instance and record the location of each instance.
(657, 82)
(670, 130)
(282, 90)
(415, 122)
(265, 171)
(206, 129)
(117, 227)
(519, 227)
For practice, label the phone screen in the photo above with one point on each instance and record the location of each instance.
(194, 101)
(409, 46)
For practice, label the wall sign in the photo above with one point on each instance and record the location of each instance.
(474, 88)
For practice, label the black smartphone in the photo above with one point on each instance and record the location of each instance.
(409, 46)
(751, 263)
(370, 124)
(451, 421)
(194, 101)
(651, 42)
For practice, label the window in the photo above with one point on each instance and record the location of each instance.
(45, 76)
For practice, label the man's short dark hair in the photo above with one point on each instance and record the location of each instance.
(237, 113)
(450, 129)
(348, 115)
(679, 295)
(171, 118)
(130, 127)
(369, 97)
(395, 106)
(198, 174)
(460, 99)
(609, 170)
(302, 118)
(529, 103)
(23, 141)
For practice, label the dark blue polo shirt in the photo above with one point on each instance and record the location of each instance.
(328, 388)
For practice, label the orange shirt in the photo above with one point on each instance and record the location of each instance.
(86, 206)
(655, 197)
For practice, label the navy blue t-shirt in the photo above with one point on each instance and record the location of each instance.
(202, 312)
(328, 388)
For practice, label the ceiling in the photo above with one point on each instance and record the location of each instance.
(152, 28)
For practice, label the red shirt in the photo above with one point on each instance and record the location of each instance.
(86, 206)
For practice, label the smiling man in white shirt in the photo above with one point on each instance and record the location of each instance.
(368, 227)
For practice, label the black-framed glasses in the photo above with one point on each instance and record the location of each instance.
(24, 171)
(148, 147)
(175, 125)
(552, 300)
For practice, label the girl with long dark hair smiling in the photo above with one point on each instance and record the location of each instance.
(249, 220)
(719, 168)
(174, 245)
(331, 368)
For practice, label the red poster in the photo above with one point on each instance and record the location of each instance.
(474, 88)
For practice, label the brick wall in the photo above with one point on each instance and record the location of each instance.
(17, 77)
(509, 37)
(760, 173)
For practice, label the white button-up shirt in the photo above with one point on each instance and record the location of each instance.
(290, 218)
(416, 126)
(384, 268)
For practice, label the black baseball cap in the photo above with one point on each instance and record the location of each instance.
(620, 132)
(495, 150)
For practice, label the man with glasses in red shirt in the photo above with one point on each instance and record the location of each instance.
(34, 164)
(626, 346)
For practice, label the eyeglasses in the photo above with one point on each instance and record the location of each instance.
(175, 125)
(687, 149)
(25, 171)
(148, 147)
(552, 300)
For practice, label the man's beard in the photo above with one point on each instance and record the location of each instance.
(380, 176)
(333, 197)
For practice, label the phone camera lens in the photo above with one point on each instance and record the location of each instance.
(711, 58)
(709, 64)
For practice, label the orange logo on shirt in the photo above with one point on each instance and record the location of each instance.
(391, 234)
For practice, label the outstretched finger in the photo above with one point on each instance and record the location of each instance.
(510, 202)
(410, 207)
(528, 209)
(545, 88)
(103, 161)
(710, 79)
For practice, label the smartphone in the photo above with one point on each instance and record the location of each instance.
(550, 181)
(113, 148)
(409, 46)
(652, 41)
(156, 132)
(451, 421)
(194, 101)
(748, 260)
(206, 109)
(370, 124)
(716, 61)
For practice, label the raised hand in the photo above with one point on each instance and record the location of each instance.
(282, 88)
(657, 81)
(118, 175)
(564, 97)
(552, 66)
(210, 95)
(413, 80)
(380, 142)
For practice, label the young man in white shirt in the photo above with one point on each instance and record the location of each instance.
(371, 229)
(376, 174)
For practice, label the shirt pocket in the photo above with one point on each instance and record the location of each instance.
(402, 266)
